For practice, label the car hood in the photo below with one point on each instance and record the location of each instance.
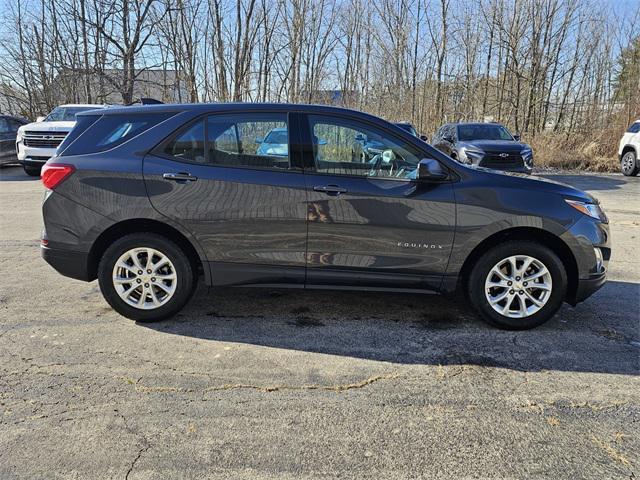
(48, 127)
(273, 149)
(542, 185)
(496, 146)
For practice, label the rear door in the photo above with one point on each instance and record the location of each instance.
(370, 222)
(246, 208)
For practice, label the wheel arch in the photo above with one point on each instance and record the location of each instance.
(628, 148)
(143, 225)
(551, 241)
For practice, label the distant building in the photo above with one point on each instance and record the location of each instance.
(164, 85)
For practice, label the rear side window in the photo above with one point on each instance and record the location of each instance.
(109, 131)
(253, 140)
(634, 128)
(189, 144)
(82, 124)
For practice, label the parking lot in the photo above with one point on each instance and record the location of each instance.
(304, 384)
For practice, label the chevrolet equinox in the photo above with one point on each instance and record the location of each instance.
(150, 199)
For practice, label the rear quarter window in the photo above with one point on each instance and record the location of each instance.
(108, 131)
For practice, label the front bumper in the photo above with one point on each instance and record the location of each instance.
(33, 157)
(587, 287)
(589, 235)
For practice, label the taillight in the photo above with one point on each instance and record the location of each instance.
(54, 173)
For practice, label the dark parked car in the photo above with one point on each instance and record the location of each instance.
(148, 199)
(487, 145)
(9, 126)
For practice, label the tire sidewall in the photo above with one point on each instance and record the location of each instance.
(634, 169)
(491, 258)
(184, 271)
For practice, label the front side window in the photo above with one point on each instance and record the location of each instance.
(634, 128)
(344, 147)
(483, 132)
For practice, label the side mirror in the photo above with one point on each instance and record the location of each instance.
(40, 119)
(517, 137)
(322, 141)
(259, 140)
(430, 169)
(424, 138)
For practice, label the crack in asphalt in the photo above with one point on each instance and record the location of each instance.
(145, 444)
(270, 388)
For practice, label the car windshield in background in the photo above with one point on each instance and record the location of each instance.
(277, 136)
(66, 114)
(483, 132)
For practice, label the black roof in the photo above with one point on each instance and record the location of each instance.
(225, 107)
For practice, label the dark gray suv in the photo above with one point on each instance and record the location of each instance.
(488, 145)
(150, 199)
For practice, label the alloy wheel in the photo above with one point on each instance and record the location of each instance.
(628, 163)
(144, 278)
(518, 286)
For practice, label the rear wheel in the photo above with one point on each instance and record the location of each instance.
(32, 171)
(518, 285)
(146, 277)
(629, 164)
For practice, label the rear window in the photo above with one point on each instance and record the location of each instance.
(108, 131)
(634, 128)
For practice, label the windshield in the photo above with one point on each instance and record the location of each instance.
(279, 136)
(66, 114)
(483, 132)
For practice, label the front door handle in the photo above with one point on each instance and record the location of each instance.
(179, 177)
(333, 190)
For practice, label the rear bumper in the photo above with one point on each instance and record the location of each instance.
(68, 263)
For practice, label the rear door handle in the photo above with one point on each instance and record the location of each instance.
(179, 177)
(333, 190)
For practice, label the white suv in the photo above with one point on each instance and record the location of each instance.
(629, 150)
(37, 142)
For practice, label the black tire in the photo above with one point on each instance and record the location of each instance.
(32, 171)
(482, 268)
(184, 270)
(629, 164)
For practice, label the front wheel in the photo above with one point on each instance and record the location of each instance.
(518, 285)
(629, 164)
(146, 277)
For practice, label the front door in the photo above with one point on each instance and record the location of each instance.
(370, 222)
(241, 198)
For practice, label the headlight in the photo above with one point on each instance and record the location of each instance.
(19, 135)
(592, 210)
(468, 155)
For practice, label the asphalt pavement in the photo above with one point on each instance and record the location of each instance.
(284, 384)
